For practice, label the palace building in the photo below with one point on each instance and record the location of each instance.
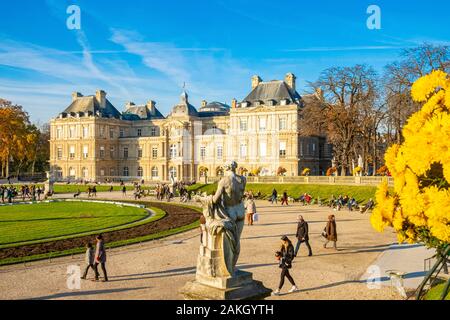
(92, 141)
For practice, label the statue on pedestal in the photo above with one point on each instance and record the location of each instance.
(217, 276)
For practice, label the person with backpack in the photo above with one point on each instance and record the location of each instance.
(285, 257)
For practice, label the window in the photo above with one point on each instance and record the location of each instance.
(85, 152)
(139, 132)
(72, 152)
(72, 172)
(282, 149)
(121, 133)
(173, 151)
(139, 152)
(314, 148)
(126, 172)
(125, 153)
(262, 124)
(154, 152)
(102, 172)
(140, 172)
(111, 133)
(58, 133)
(59, 153)
(111, 152)
(102, 132)
(243, 151)
(72, 132)
(283, 122)
(102, 152)
(219, 152)
(203, 153)
(112, 172)
(84, 172)
(153, 131)
(173, 172)
(243, 124)
(85, 132)
(263, 149)
(155, 172)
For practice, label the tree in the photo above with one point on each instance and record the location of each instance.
(345, 92)
(399, 77)
(21, 142)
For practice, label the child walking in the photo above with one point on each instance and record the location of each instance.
(89, 259)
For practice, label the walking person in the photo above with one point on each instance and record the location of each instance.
(274, 197)
(250, 209)
(124, 191)
(302, 235)
(284, 199)
(89, 259)
(285, 257)
(100, 258)
(330, 232)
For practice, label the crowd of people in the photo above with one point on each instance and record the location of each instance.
(12, 193)
(337, 203)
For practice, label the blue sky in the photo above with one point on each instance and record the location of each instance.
(138, 50)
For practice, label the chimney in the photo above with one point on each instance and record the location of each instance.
(100, 95)
(290, 80)
(234, 104)
(256, 80)
(204, 103)
(319, 93)
(76, 95)
(129, 105)
(151, 105)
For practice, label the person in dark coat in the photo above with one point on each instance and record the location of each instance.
(285, 257)
(302, 236)
(331, 232)
(100, 258)
(284, 199)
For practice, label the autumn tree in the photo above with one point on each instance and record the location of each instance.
(399, 77)
(19, 139)
(345, 92)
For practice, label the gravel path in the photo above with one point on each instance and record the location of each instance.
(157, 269)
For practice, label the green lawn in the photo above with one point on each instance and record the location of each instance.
(436, 292)
(73, 188)
(361, 193)
(25, 223)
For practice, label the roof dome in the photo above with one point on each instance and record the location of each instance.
(215, 107)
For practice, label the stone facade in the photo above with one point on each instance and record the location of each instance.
(92, 141)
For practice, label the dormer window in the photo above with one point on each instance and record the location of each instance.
(244, 104)
(284, 102)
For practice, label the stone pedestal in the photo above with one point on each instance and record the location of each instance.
(214, 282)
(239, 287)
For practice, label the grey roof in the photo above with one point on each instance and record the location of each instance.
(214, 109)
(141, 113)
(273, 90)
(89, 105)
(184, 107)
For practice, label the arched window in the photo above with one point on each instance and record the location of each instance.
(85, 172)
(72, 172)
(155, 172)
(140, 172)
(173, 172)
(126, 172)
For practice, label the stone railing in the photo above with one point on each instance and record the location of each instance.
(339, 180)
